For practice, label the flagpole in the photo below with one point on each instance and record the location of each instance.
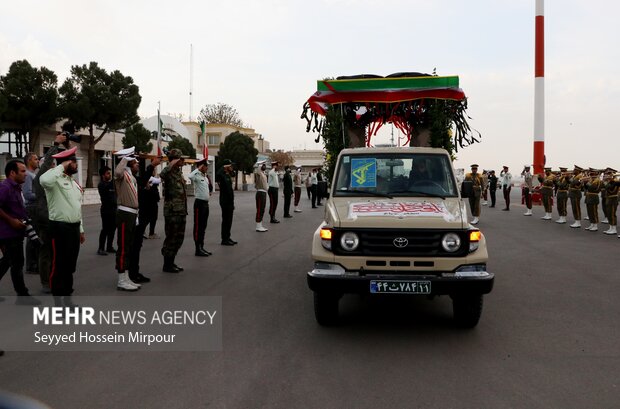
(159, 151)
(191, 80)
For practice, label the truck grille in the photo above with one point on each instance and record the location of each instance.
(400, 243)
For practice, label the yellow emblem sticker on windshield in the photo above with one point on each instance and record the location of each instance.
(364, 172)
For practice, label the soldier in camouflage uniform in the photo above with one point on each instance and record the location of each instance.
(574, 193)
(546, 190)
(175, 209)
(612, 187)
(562, 183)
(593, 188)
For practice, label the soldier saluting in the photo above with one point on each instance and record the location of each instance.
(474, 199)
(175, 209)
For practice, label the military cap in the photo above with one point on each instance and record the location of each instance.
(548, 169)
(474, 166)
(563, 169)
(592, 170)
(578, 168)
(175, 154)
(227, 162)
(505, 167)
(610, 170)
(68, 154)
(275, 163)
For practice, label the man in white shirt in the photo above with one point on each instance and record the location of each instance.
(274, 186)
(506, 182)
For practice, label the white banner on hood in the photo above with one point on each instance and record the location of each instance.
(398, 209)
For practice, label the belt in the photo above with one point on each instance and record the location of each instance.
(128, 209)
(592, 193)
(261, 190)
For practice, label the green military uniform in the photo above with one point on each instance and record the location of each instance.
(175, 211)
(574, 193)
(548, 182)
(474, 200)
(562, 185)
(593, 189)
(612, 202)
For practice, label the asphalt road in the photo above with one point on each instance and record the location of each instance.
(548, 338)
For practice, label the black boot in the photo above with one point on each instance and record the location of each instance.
(200, 252)
(169, 265)
(175, 266)
(206, 251)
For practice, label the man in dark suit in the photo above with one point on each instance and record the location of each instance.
(227, 200)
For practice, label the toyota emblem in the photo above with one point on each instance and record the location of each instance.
(400, 242)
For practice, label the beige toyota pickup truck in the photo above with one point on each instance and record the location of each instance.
(395, 224)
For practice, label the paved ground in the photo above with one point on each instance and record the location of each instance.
(548, 337)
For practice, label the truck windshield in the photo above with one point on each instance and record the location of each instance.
(395, 174)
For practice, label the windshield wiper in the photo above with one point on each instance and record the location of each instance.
(418, 192)
(366, 192)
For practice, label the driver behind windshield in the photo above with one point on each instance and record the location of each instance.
(419, 171)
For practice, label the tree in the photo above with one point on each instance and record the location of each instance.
(178, 142)
(137, 135)
(285, 158)
(92, 97)
(220, 113)
(240, 149)
(31, 98)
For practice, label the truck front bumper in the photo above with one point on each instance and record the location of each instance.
(466, 279)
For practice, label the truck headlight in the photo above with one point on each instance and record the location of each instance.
(349, 241)
(451, 242)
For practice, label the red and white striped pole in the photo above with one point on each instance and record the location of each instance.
(539, 92)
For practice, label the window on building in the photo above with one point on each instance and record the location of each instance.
(214, 139)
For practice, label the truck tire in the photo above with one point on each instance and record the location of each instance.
(326, 308)
(467, 309)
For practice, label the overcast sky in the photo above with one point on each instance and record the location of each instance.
(264, 57)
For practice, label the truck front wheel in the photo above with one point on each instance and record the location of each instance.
(326, 308)
(467, 309)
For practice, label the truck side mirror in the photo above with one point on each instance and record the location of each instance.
(467, 189)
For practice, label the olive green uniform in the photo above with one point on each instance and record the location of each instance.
(547, 191)
(474, 200)
(592, 200)
(574, 193)
(612, 202)
(563, 184)
(175, 210)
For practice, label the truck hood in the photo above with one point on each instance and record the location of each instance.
(398, 213)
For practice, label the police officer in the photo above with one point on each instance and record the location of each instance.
(492, 187)
(227, 200)
(64, 203)
(474, 199)
(593, 188)
(548, 181)
(562, 184)
(298, 185)
(107, 195)
(202, 190)
(574, 194)
(175, 209)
